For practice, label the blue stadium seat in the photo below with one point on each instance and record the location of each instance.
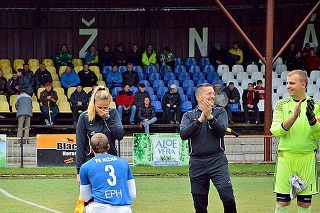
(189, 62)
(153, 97)
(235, 107)
(203, 62)
(134, 89)
(181, 91)
(198, 76)
(187, 83)
(161, 91)
(157, 106)
(218, 81)
(168, 76)
(173, 81)
(154, 76)
(202, 81)
(183, 76)
(212, 76)
(179, 69)
(186, 106)
(146, 82)
(190, 91)
(163, 70)
(157, 84)
(138, 69)
(178, 61)
(105, 70)
(142, 76)
(151, 69)
(193, 69)
(183, 97)
(149, 90)
(122, 68)
(207, 69)
(115, 90)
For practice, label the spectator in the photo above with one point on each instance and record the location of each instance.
(124, 100)
(305, 50)
(42, 76)
(30, 75)
(218, 55)
(146, 115)
(69, 78)
(24, 113)
(90, 93)
(167, 58)
(235, 55)
(49, 108)
(107, 186)
(13, 84)
(289, 53)
(79, 101)
(171, 101)
(250, 100)
(3, 84)
(232, 94)
(134, 56)
(149, 57)
(311, 62)
(260, 89)
(296, 63)
(130, 76)
(87, 77)
(114, 78)
(140, 95)
(91, 56)
(63, 58)
(120, 55)
(25, 82)
(222, 100)
(105, 58)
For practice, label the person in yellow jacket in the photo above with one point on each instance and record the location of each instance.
(149, 57)
(235, 54)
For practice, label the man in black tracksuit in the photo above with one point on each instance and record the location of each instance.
(205, 127)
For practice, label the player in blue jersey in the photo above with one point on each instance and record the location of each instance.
(107, 183)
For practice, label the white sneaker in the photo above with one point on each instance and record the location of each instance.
(47, 122)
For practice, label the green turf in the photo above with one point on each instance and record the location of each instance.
(154, 194)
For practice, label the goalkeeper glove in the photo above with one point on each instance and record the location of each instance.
(309, 112)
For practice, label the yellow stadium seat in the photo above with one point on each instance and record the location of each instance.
(78, 68)
(64, 107)
(48, 62)
(95, 69)
(101, 83)
(6, 69)
(113, 105)
(36, 107)
(56, 84)
(7, 75)
(55, 77)
(18, 63)
(33, 62)
(5, 63)
(87, 89)
(4, 106)
(33, 68)
(39, 91)
(51, 69)
(13, 99)
(3, 98)
(59, 90)
(13, 108)
(77, 62)
(34, 98)
(62, 98)
(70, 91)
(62, 69)
(99, 77)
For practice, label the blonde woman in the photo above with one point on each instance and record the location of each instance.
(99, 118)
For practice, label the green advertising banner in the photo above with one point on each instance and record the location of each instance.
(160, 149)
(3, 139)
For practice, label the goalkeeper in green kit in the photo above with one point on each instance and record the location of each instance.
(295, 124)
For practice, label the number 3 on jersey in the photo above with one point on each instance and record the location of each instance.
(112, 181)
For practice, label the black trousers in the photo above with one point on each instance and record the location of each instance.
(170, 115)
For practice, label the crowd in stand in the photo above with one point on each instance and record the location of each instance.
(120, 68)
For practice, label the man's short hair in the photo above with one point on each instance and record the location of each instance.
(231, 83)
(259, 81)
(99, 143)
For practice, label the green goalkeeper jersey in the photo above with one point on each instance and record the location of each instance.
(301, 138)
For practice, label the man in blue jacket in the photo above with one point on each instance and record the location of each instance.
(69, 79)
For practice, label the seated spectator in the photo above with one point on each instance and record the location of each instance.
(124, 101)
(120, 55)
(25, 82)
(3, 84)
(140, 95)
(167, 59)
(91, 56)
(27, 72)
(49, 108)
(235, 55)
(146, 115)
(134, 56)
(171, 101)
(69, 78)
(63, 58)
(260, 89)
(79, 101)
(149, 57)
(296, 63)
(114, 78)
(289, 53)
(130, 77)
(218, 55)
(250, 100)
(90, 93)
(105, 58)
(311, 61)
(305, 50)
(13, 85)
(42, 76)
(222, 100)
(87, 77)
(233, 95)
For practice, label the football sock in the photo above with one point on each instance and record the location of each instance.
(304, 210)
(281, 209)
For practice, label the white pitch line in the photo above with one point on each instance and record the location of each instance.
(27, 202)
